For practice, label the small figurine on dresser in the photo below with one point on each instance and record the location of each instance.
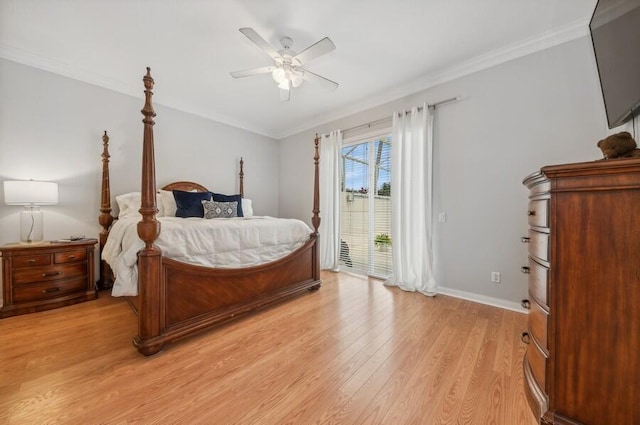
(619, 145)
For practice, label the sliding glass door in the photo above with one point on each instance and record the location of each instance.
(365, 206)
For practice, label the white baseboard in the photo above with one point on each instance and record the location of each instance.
(482, 299)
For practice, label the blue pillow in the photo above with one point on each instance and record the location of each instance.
(189, 204)
(219, 197)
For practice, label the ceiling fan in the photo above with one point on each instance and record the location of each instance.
(288, 69)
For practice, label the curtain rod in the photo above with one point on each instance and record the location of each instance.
(382, 120)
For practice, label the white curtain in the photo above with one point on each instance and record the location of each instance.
(411, 201)
(330, 200)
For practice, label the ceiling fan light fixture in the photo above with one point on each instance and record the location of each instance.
(285, 84)
(297, 78)
(278, 75)
(287, 65)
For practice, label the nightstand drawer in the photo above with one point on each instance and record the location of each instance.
(20, 261)
(44, 290)
(70, 256)
(47, 273)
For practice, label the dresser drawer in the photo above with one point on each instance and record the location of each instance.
(539, 213)
(539, 245)
(47, 273)
(44, 290)
(538, 278)
(538, 362)
(70, 256)
(538, 324)
(20, 261)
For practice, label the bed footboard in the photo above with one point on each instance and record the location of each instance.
(195, 297)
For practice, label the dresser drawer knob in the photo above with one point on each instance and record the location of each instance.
(525, 304)
(524, 239)
(49, 274)
(525, 269)
(71, 257)
(524, 337)
(531, 212)
(31, 261)
(50, 290)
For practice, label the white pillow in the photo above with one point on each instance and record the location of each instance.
(129, 204)
(247, 208)
(166, 203)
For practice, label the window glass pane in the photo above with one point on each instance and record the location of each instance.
(381, 264)
(366, 207)
(354, 223)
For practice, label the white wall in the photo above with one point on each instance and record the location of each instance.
(51, 129)
(545, 108)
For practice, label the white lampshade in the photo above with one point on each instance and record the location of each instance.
(30, 192)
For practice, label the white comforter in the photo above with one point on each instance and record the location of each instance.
(218, 242)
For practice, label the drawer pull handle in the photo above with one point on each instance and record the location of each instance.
(49, 274)
(531, 213)
(71, 257)
(50, 290)
(525, 269)
(31, 261)
(524, 337)
(525, 239)
(525, 304)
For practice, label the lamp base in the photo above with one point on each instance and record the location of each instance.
(31, 228)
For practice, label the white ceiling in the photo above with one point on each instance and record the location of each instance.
(385, 49)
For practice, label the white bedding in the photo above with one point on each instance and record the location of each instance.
(218, 242)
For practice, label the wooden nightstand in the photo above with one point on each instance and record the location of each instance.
(47, 275)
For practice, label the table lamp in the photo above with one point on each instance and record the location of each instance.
(31, 194)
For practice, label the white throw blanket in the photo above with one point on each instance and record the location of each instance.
(218, 242)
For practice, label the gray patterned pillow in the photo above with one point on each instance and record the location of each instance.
(214, 209)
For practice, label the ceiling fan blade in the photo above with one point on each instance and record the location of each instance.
(261, 43)
(322, 47)
(254, 71)
(331, 85)
(285, 95)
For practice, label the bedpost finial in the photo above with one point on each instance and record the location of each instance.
(147, 110)
(148, 80)
(105, 138)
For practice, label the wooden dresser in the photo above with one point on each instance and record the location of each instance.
(582, 364)
(45, 276)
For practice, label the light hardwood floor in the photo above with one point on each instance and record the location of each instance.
(354, 352)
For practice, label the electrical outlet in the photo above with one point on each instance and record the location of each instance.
(495, 277)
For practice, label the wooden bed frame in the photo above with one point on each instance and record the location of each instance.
(176, 299)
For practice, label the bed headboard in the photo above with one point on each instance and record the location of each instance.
(186, 186)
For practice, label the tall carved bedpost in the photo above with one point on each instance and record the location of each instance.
(149, 259)
(315, 220)
(105, 219)
(241, 177)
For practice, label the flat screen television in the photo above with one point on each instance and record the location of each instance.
(615, 34)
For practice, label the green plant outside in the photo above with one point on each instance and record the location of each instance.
(382, 239)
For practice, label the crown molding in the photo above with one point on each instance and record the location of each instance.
(544, 41)
(549, 39)
(24, 57)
